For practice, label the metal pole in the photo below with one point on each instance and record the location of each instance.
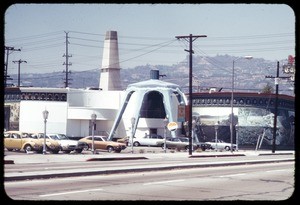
(237, 137)
(216, 136)
(44, 145)
(93, 134)
(276, 108)
(165, 136)
(19, 75)
(94, 117)
(45, 116)
(190, 92)
(132, 132)
(231, 118)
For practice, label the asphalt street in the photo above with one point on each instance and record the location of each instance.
(268, 181)
(21, 166)
(32, 176)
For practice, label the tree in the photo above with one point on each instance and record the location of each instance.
(268, 89)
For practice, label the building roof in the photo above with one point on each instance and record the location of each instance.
(153, 83)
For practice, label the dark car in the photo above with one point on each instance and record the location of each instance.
(204, 146)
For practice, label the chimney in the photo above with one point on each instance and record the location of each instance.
(110, 70)
(154, 74)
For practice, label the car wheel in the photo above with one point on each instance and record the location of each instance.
(186, 148)
(110, 149)
(27, 148)
(86, 147)
(67, 151)
(136, 144)
(227, 148)
(163, 146)
(55, 151)
(78, 150)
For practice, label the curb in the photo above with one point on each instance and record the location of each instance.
(216, 155)
(265, 154)
(104, 172)
(115, 158)
(9, 162)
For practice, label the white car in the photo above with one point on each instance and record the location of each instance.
(221, 145)
(66, 144)
(148, 140)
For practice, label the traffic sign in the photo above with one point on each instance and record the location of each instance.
(172, 126)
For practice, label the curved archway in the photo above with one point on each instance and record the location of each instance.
(153, 106)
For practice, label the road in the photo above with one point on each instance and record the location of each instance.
(270, 181)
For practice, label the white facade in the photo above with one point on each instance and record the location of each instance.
(73, 115)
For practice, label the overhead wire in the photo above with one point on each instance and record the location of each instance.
(40, 43)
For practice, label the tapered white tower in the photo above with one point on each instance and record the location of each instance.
(110, 70)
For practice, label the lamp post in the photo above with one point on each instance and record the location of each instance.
(45, 116)
(132, 132)
(232, 89)
(165, 133)
(93, 117)
(216, 135)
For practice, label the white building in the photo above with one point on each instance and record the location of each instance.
(70, 109)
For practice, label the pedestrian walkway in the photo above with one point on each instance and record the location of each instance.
(87, 156)
(73, 163)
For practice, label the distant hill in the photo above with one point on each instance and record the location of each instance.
(207, 71)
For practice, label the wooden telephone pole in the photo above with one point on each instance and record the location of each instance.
(190, 38)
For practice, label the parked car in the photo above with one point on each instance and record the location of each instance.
(221, 145)
(204, 146)
(101, 142)
(16, 140)
(124, 140)
(181, 143)
(51, 144)
(147, 140)
(66, 144)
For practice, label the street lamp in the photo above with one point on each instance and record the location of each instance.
(165, 133)
(93, 117)
(216, 134)
(232, 89)
(132, 132)
(45, 116)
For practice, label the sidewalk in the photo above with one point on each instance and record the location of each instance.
(88, 156)
(33, 166)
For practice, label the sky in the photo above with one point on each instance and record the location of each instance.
(146, 33)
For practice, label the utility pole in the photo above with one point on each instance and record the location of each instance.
(67, 62)
(276, 106)
(8, 50)
(19, 62)
(190, 39)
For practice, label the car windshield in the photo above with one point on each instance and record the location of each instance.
(184, 139)
(104, 138)
(62, 137)
(54, 137)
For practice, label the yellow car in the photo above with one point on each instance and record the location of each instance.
(51, 145)
(100, 142)
(16, 140)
